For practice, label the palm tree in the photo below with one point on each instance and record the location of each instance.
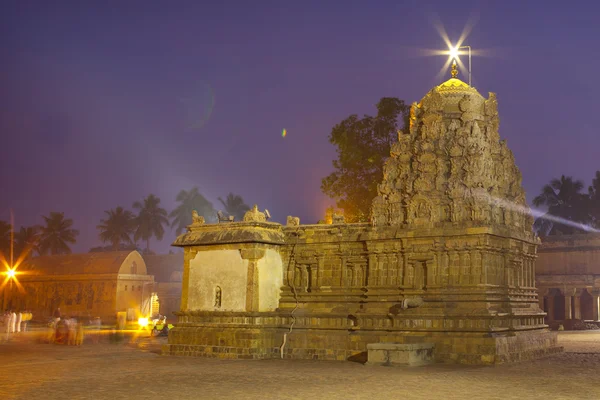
(5, 229)
(594, 201)
(234, 205)
(150, 220)
(27, 241)
(564, 200)
(188, 202)
(57, 233)
(117, 227)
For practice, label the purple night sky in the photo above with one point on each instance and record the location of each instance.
(102, 104)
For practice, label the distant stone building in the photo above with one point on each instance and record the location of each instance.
(568, 277)
(92, 284)
(167, 270)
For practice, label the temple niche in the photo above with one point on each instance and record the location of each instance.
(447, 259)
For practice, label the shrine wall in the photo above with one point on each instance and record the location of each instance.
(221, 270)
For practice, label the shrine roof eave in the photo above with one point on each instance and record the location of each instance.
(232, 233)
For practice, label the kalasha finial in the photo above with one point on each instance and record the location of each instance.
(454, 70)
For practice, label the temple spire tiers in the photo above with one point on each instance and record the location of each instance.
(447, 258)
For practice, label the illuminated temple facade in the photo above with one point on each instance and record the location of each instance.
(448, 258)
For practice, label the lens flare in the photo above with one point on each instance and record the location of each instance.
(538, 214)
(284, 133)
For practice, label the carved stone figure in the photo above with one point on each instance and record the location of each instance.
(197, 219)
(292, 221)
(254, 215)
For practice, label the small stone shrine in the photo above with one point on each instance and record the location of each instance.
(447, 259)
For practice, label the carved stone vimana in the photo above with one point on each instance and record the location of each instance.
(448, 258)
(452, 168)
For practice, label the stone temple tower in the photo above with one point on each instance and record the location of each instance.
(447, 259)
(452, 169)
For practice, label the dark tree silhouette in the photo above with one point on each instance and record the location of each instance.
(150, 220)
(118, 227)
(27, 241)
(363, 144)
(234, 205)
(57, 234)
(188, 202)
(564, 200)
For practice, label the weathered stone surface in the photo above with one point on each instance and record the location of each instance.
(235, 232)
(448, 258)
(416, 354)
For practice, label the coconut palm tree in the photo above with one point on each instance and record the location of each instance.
(234, 205)
(5, 238)
(150, 220)
(27, 241)
(188, 202)
(117, 227)
(594, 201)
(56, 235)
(564, 200)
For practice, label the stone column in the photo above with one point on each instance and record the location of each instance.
(595, 305)
(188, 255)
(568, 300)
(252, 255)
(577, 300)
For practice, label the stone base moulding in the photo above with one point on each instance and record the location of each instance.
(392, 354)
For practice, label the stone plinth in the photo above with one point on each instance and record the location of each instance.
(400, 354)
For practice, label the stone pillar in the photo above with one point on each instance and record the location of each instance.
(252, 292)
(188, 255)
(568, 300)
(595, 305)
(577, 300)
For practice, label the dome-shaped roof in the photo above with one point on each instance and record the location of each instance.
(456, 86)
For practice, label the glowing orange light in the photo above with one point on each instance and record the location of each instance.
(11, 273)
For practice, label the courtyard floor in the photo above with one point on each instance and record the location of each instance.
(32, 370)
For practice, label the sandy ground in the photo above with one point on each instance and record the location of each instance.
(30, 370)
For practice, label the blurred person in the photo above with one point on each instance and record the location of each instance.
(79, 334)
(6, 321)
(26, 318)
(72, 326)
(62, 331)
(56, 314)
(18, 321)
(51, 338)
(97, 325)
(13, 321)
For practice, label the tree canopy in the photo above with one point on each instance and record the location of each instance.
(234, 205)
(569, 209)
(117, 228)
(362, 146)
(150, 220)
(57, 234)
(189, 201)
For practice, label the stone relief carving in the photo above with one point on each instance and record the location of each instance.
(197, 219)
(453, 149)
(254, 215)
(292, 221)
